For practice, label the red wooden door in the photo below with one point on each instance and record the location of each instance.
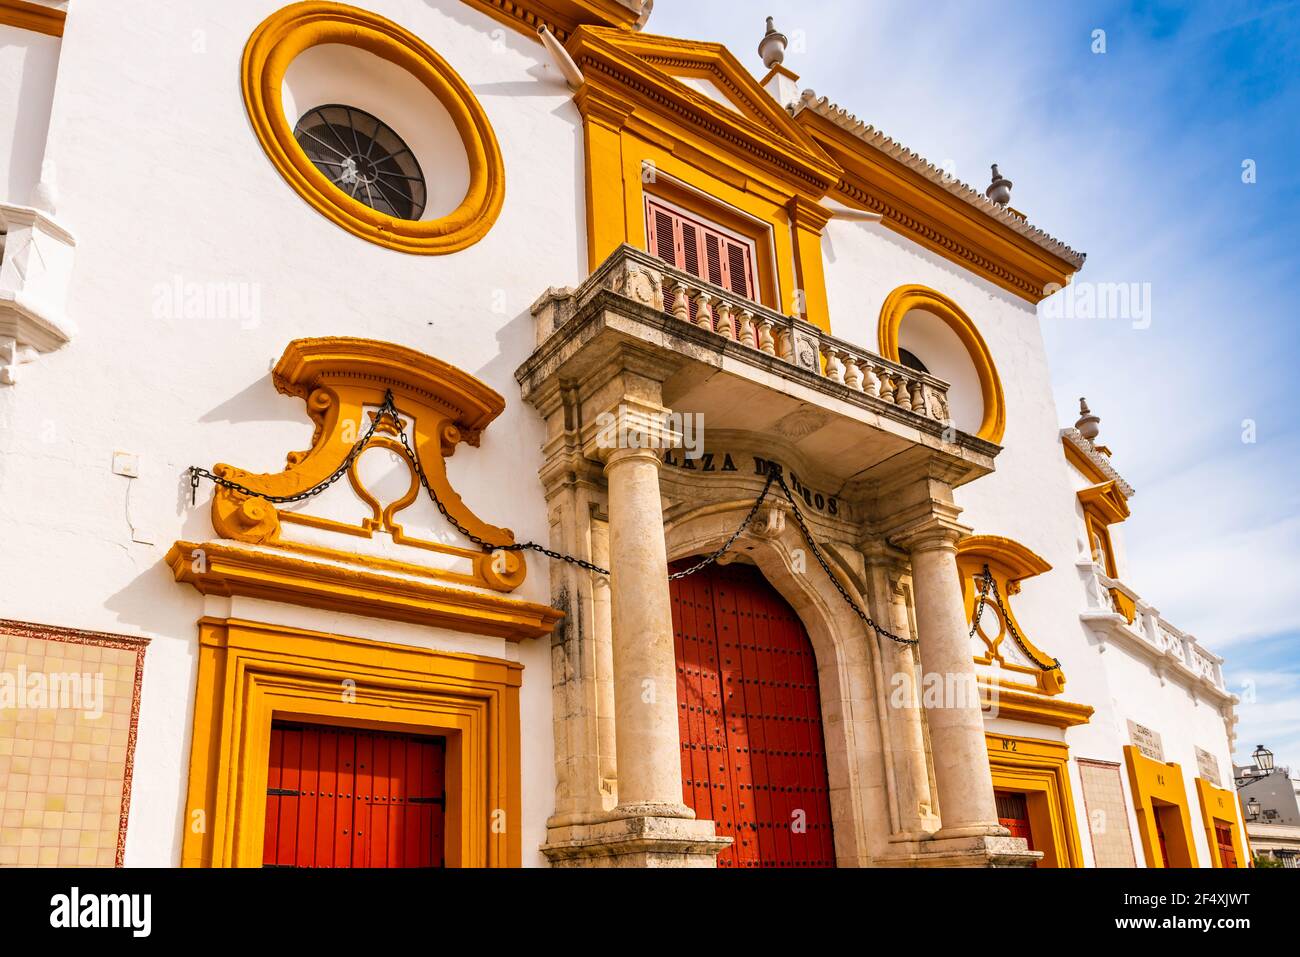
(1013, 814)
(753, 755)
(1160, 833)
(347, 797)
(1223, 837)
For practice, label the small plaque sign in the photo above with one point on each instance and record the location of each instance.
(1208, 765)
(1146, 741)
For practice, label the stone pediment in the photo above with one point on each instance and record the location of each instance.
(701, 88)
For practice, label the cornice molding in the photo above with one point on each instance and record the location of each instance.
(228, 568)
(878, 141)
(1034, 708)
(561, 17)
(632, 66)
(915, 199)
(1104, 502)
(37, 17)
(1081, 453)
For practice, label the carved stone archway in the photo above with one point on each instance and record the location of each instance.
(845, 661)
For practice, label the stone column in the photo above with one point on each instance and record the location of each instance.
(647, 743)
(910, 773)
(961, 763)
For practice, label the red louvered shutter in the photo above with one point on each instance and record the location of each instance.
(701, 249)
(740, 269)
(662, 237)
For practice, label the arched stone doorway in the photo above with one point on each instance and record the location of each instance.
(749, 708)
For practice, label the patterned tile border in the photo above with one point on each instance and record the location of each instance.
(102, 639)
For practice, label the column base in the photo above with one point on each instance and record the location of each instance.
(639, 841)
(977, 850)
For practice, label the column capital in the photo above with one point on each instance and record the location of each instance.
(938, 530)
(632, 429)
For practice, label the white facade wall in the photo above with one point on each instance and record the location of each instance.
(163, 182)
(28, 65)
(1031, 497)
(165, 186)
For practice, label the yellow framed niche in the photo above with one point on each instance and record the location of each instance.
(1160, 800)
(251, 673)
(1219, 806)
(1039, 770)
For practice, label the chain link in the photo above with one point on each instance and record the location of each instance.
(987, 584)
(758, 503)
(197, 473)
(774, 469)
(389, 409)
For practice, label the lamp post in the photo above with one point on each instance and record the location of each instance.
(1263, 766)
(1263, 759)
(1252, 810)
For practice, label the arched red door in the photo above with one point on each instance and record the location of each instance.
(753, 755)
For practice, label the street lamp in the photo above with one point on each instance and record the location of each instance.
(1252, 810)
(1263, 767)
(1263, 759)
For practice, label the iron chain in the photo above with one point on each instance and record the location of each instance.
(389, 409)
(987, 584)
(803, 527)
(734, 535)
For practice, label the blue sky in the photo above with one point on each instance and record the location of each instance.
(1134, 156)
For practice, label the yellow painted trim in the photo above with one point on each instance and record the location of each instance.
(288, 32)
(1158, 789)
(341, 380)
(1010, 563)
(1040, 770)
(32, 16)
(1220, 804)
(647, 132)
(250, 673)
(1006, 701)
(1085, 465)
(1105, 502)
(928, 214)
(1105, 505)
(561, 17)
(220, 568)
(906, 298)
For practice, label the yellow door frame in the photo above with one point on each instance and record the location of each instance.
(1039, 769)
(1220, 804)
(250, 673)
(1158, 790)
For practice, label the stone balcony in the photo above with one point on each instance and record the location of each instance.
(746, 368)
(36, 255)
(1117, 613)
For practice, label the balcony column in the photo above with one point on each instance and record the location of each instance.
(650, 826)
(647, 743)
(961, 762)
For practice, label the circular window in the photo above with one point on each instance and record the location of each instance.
(329, 70)
(364, 158)
(910, 360)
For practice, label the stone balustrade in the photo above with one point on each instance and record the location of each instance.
(1109, 601)
(731, 317)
